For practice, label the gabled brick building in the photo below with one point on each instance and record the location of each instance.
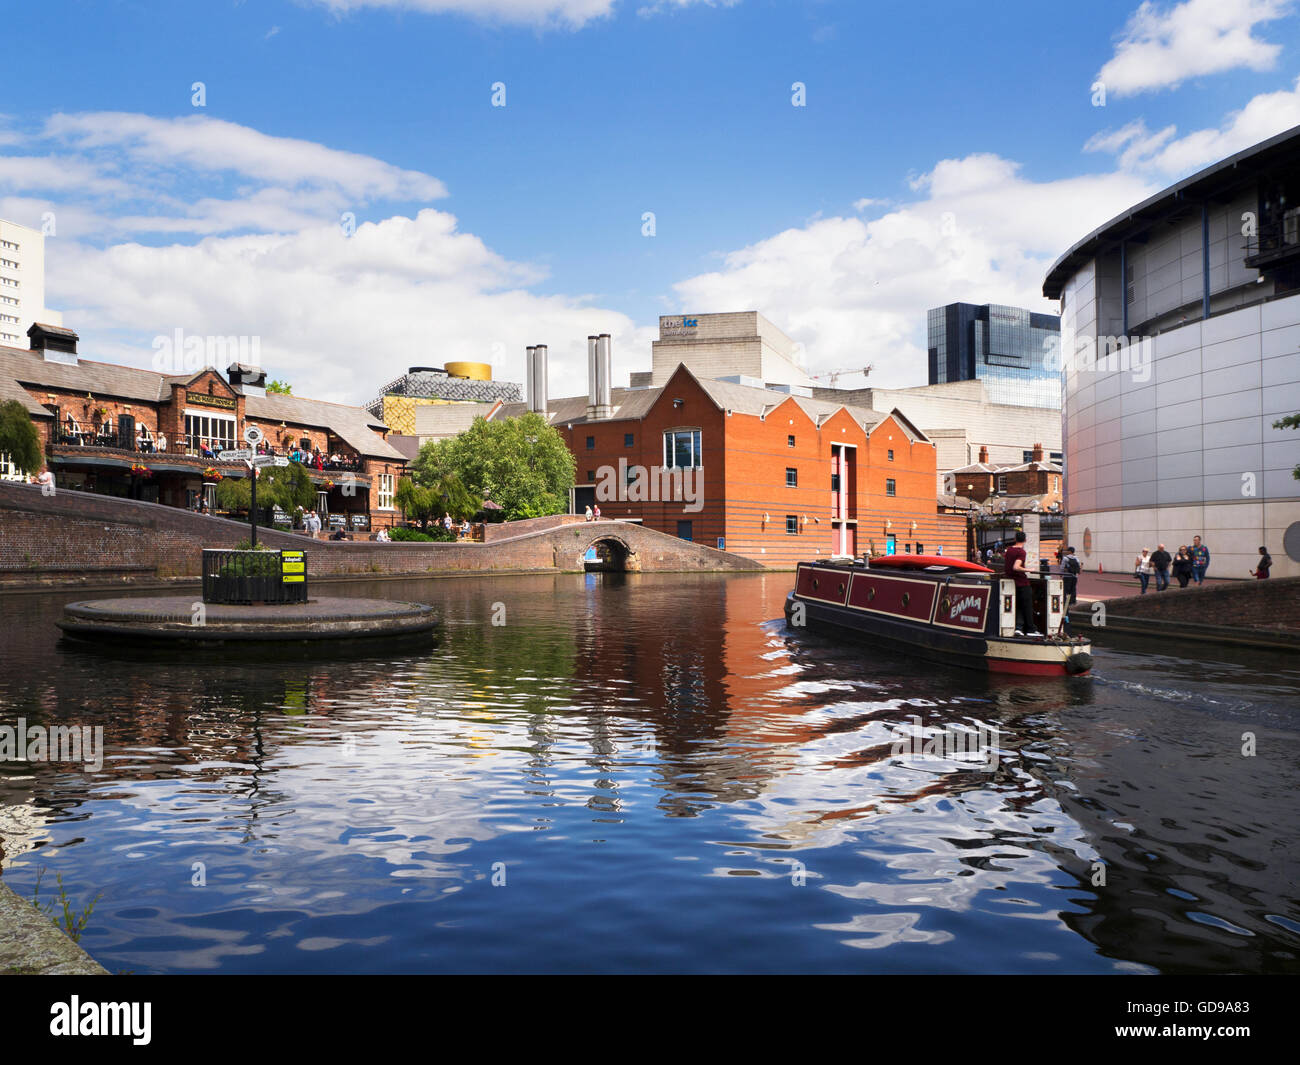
(1038, 479)
(774, 476)
(117, 430)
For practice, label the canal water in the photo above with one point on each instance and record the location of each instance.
(652, 773)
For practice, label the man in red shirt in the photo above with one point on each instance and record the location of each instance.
(1015, 569)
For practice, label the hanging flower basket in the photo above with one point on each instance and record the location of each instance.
(213, 474)
(329, 485)
(140, 471)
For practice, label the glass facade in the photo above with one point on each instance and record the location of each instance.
(1005, 347)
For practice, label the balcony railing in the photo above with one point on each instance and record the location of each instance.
(1275, 243)
(205, 448)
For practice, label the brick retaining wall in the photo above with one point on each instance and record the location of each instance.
(1270, 604)
(81, 534)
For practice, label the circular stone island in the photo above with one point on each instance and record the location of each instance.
(188, 618)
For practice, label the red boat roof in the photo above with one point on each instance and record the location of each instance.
(926, 561)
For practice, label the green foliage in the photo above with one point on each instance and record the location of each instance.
(71, 923)
(435, 534)
(521, 463)
(428, 503)
(19, 438)
(287, 487)
(279, 388)
(1291, 421)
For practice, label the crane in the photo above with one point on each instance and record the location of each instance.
(834, 375)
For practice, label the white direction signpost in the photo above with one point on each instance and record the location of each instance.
(235, 456)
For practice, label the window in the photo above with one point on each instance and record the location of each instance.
(8, 471)
(627, 439)
(1002, 483)
(891, 454)
(920, 550)
(791, 477)
(684, 530)
(591, 475)
(835, 482)
(890, 487)
(591, 443)
(792, 524)
(682, 449)
(385, 493)
(216, 430)
(789, 441)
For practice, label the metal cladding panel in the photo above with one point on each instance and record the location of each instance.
(825, 586)
(963, 607)
(896, 596)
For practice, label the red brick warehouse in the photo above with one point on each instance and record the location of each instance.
(769, 475)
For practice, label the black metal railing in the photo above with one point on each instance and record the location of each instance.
(1276, 242)
(254, 576)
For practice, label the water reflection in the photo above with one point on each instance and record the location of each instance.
(638, 772)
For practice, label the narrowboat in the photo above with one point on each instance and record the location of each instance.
(939, 608)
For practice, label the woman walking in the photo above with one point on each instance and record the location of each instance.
(1183, 567)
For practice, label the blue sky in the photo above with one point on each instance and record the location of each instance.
(945, 152)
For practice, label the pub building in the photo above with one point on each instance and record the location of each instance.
(122, 431)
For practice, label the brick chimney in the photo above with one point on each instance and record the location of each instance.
(1037, 454)
(984, 455)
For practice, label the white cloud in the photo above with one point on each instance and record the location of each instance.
(210, 145)
(1164, 154)
(855, 291)
(565, 14)
(337, 316)
(1162, 47)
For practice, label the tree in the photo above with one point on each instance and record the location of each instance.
(415, 502)
(1291, 421)
(522, 464)
(19, 438)
(279, 388)
(286, 487)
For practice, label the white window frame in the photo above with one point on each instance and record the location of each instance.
(697, 450)
(384, 491)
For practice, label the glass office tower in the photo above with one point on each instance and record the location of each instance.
(1005, 347)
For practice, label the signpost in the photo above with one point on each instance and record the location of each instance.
(252, 437)
(235, 456)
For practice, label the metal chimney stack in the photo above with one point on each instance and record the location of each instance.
(599, 370)
(537, 390)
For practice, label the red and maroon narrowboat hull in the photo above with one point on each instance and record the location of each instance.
(940, 609)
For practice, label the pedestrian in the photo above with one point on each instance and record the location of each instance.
(1142, 568)
(1200, 560)
(595, 513)
(1014, 567)
(1160, 562)
(465, 529)
(1071, 569)
(1183, 566)
(162, 442)
(588, 514)
(446, 520)
(1265, 564)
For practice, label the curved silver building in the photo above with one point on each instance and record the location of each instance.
(1180, 347)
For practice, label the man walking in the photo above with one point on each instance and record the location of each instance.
(1014, 567)
(1200, 560)
(1161, 560)
(1070, 570)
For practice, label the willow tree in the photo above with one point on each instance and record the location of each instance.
(19, 438)
(286, 487)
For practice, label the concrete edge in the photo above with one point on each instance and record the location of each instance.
(33, 945)
(1272, 639)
